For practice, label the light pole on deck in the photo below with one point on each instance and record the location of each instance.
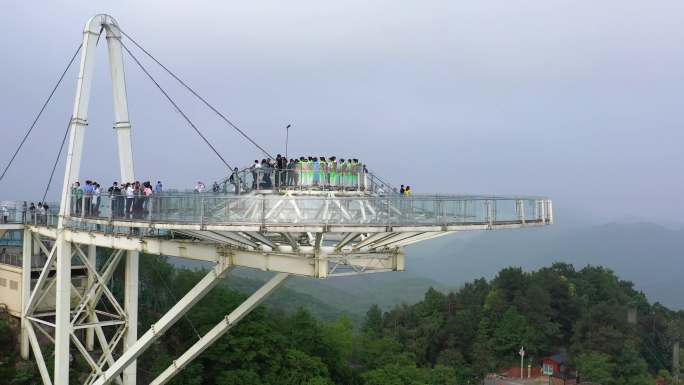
(287, 137)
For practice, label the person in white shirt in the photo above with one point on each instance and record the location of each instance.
(42, 213)
(130, 194)
(97, 191)
(200, 187)
(256, 173)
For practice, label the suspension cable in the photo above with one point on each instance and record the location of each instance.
(184, 84)
(40, 113)
(54, 166)
(178, 109)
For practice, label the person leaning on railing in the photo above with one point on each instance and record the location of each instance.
(97, 192)
(255, 174)
(116, 203)
(46, 212)
(291, 173)
(88, 190)
(130, 195)
(77, 195)
(40, 213)
(235, 180)
(32, 212)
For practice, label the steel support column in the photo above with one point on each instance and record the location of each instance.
(62, 311)
(131, 308)
(40, 361)
(27, 253)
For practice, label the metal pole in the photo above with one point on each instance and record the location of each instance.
(150, 207)
(522, 362)
(202, 211)
(287, 137)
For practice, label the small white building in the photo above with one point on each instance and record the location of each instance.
(11, 258)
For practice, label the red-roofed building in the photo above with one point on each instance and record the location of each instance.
(554, 364)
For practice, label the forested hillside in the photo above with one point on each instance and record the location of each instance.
(645, 253)
(447, 338)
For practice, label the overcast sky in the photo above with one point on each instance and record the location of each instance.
(578, 100)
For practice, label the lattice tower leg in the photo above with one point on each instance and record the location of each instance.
(27, 253)
(131, 308)
(62, 311)
(90, 332)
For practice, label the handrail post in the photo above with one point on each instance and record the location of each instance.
(201, 210)
(263, 211)
(389, 213)
(258, 179)
(488, 211)
(150, 207)
(226, 207)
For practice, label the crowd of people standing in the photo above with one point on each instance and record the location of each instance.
(128, 200)
(30, 213)
(312, 171)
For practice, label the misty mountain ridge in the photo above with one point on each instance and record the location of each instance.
(648, 254)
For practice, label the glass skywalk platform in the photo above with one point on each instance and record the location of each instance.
(296, 209)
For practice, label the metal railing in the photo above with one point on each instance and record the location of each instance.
(284, 209)
(17, 213)
(12, 212)
(7, 258)
(272, 179)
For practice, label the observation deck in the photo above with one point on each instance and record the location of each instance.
(317, 211)
(352, 231)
